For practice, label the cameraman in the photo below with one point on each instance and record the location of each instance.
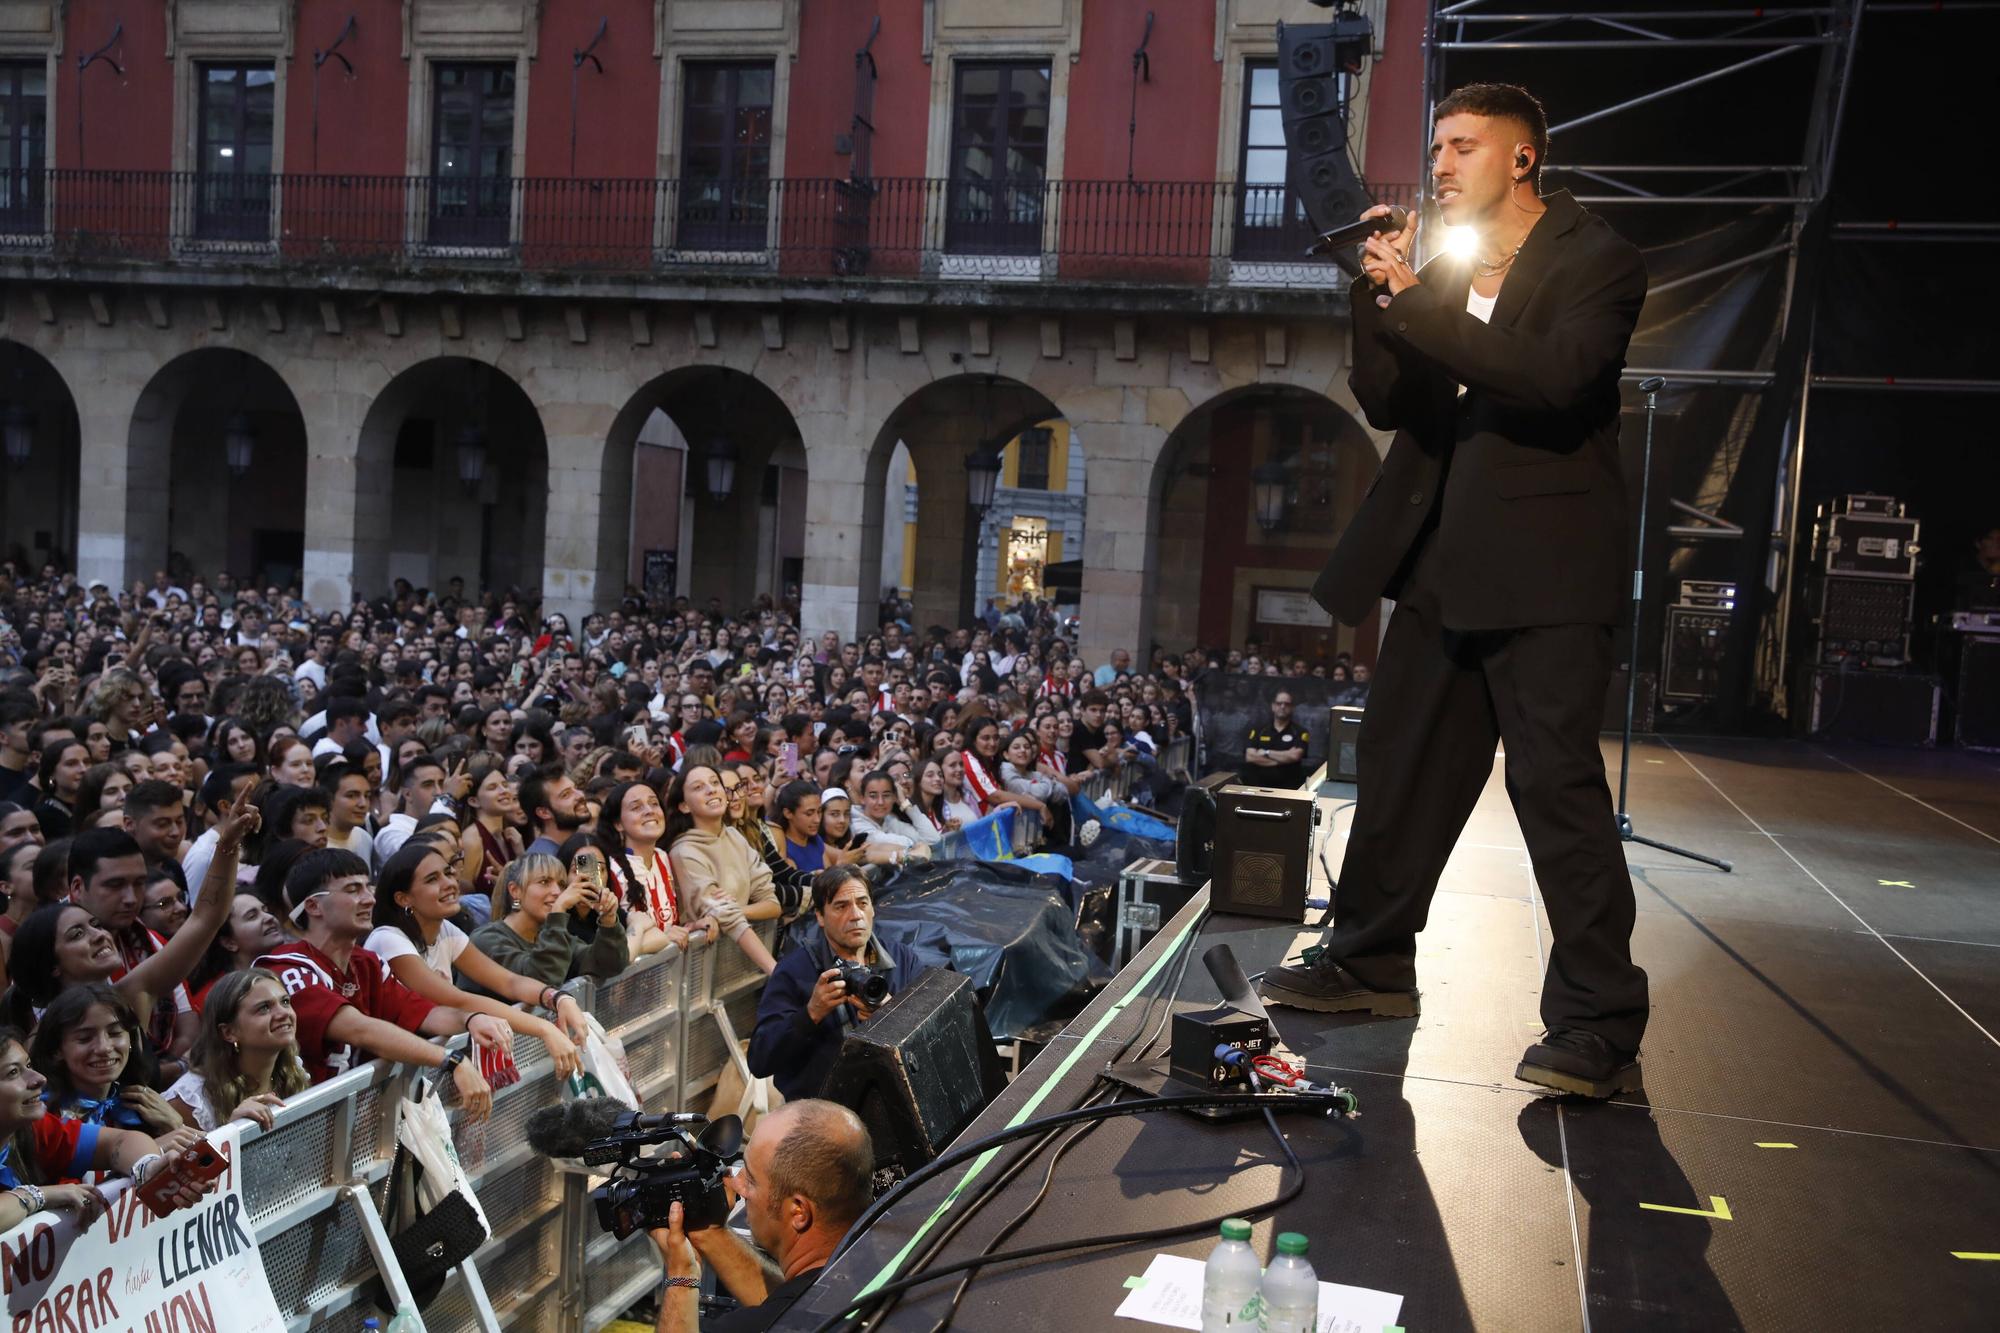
(805, 1009)
(806, 1176)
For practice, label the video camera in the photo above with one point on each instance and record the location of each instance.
(644, 1185)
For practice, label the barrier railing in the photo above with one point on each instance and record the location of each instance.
(547, 1266)
(1175, 758)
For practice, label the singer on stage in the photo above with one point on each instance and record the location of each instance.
(1497, 524)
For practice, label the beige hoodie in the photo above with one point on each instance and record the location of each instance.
(718, 873)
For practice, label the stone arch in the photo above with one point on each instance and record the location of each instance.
(422, 511)
(942, 423)
(655, 492)
(217, 432)
(1211, 555)
(40, 434)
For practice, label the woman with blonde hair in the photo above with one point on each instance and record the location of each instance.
(246, 1056)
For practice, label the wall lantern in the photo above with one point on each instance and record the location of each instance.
(982, 477)
(1267, 483)
(719, 465)
(471, 458)
(17, 428)
(239, 442)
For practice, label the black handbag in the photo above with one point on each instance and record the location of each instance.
(427, 1245)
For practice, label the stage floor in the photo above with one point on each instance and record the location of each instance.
(1822, 1087)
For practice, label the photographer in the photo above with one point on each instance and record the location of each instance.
(806, 1006)
(805, 1178)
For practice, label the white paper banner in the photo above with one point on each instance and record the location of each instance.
(195, 1271)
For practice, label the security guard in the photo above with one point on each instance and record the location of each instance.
(1276, 751)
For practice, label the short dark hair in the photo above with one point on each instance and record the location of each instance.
(220, 782)
(90, 848)
(827, 1157)
(1503, 101)
(315, 868)
(150, 795)
(345, 710)
(828, 883)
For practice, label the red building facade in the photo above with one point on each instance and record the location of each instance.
(1075, 182)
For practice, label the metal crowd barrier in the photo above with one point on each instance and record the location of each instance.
(1174, 759)
(547, 1265)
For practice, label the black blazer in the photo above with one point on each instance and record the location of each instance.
(1532, 527)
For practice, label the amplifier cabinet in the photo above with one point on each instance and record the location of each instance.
(1978, 723)
(1882, 707)
(1263, 852)
(1696, 638)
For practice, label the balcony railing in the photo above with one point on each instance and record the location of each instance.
(1173, 233)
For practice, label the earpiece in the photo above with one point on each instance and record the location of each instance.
(1521, 159)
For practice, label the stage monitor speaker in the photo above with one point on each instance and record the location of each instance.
(1978, 723)
(1194, 842)
(919, 1071)
(1343, 743)
(1263, 852)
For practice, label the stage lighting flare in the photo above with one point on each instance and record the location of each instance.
(1461, 242)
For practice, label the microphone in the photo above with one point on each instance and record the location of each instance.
(567, 1128)
(1355, 232)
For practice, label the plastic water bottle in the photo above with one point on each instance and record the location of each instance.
(1229, 1281)
(407, 1320)
(1291, 1290)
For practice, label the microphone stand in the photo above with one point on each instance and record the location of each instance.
(1651, 388)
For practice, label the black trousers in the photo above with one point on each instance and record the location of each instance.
(1439, 702)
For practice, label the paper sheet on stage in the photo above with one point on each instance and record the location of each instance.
(1170, 1294)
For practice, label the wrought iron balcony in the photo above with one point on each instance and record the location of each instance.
(1153, 233)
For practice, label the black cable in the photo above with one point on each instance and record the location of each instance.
(1291, 1192)
(1137, 1106)
(1013, 1224)
(991, 1189)
(987, 1194)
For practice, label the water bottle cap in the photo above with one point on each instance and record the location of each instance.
(1291, 1242)
(1235, 1228)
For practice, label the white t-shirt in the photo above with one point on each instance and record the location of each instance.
(1481, 309)
(387, 943)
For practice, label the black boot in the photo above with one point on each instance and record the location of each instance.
(1319, 982)
(1580, 1062)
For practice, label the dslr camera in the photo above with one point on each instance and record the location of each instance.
(868, 984)
(644, 1185)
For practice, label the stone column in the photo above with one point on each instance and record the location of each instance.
(347, 482)
(1121, 431)
(843, 550)
(126, 438)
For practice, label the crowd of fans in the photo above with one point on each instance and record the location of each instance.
(244, 845)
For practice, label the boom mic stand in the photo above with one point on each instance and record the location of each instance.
(1651, 388)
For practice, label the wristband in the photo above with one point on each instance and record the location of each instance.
(694, 1282)
(451, 1061)
(143, 1169)
(549, 997)
(32, 1196)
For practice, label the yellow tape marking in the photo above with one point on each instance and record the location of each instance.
(1777, 1145)
(1718, 1208)
(1895, 884)
(1972, 1254)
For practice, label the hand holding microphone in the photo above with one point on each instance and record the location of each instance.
(1385, 256)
